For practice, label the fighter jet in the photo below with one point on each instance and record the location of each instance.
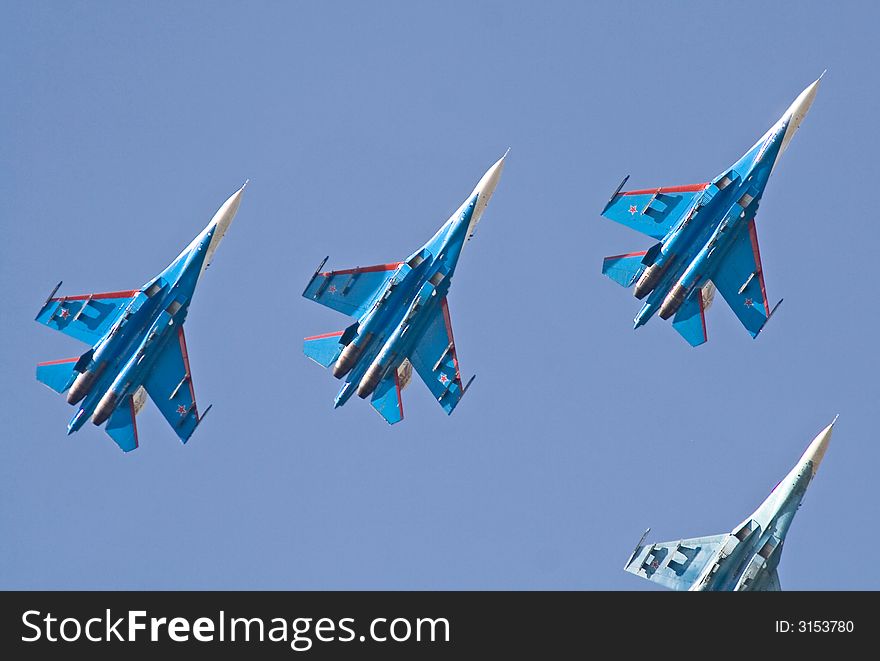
(747, 557)
(137, 344)
(707, 238)
(402, 317)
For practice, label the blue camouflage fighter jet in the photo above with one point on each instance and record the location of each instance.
(138, 345)
(707, 238)
(744, 559)
(402, 317)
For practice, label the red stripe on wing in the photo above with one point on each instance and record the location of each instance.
(133, 421)
(364, 269)
(95, 297)
(192, 392)
(703, 315)
(445, 306)
(753, 235)
(58, 362)
(629, 254)
(321, 337)
(690, 188)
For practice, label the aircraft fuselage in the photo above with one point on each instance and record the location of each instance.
(120, 361)
(697, 243)
(386, 334)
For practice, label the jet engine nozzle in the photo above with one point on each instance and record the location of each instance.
(83, 384)
(648, 280)
(348, 358)
(673, 301)
(371, 380)
(105, 407)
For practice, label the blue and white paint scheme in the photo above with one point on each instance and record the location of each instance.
(402, 317)
(745, 558)
(706, 238)
(137, 344)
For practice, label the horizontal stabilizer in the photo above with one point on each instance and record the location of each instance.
(690, 321)
(323, 349)
(59, 375)
(122, 427)
(386, 399)
(624, 269)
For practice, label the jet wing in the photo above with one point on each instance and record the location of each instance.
(170, 386)
(652, 211)
(740, 279)
(85, 318)
(435, 360)
(675, 565)
(350, 291)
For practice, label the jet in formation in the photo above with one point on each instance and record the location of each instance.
(137, 344)
(401, 317)
(744, 559)
(706, 238)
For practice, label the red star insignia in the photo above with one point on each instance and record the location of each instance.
(655, 564)
(181, 409)
(749, 303)
(444, 379)
(332, 289)
(633, 209)
(64, 314)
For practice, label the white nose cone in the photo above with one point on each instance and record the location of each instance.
(797, 111)
(816, 450)
(812, 456)
(221, 221)
(485, 188)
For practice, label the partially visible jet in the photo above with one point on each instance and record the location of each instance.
(747, 557)
(706, 238)
(402, 317)
(137, 344)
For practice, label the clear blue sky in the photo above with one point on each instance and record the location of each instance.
(123, 126)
